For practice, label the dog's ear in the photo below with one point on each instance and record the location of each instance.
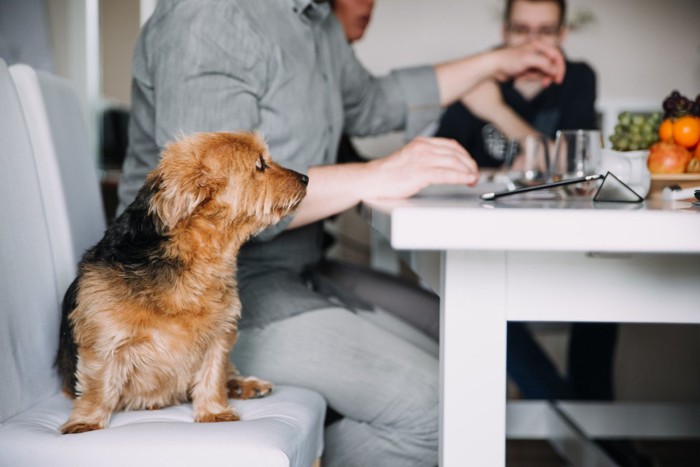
(181, 192)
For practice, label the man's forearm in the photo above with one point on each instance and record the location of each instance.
(332, 189)
(457, 77)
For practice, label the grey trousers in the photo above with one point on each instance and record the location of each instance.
(380, 373)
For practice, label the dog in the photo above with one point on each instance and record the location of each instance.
(152, 315)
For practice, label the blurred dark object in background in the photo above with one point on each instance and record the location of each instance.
(115, 137)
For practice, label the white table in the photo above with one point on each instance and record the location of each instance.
(533, 260)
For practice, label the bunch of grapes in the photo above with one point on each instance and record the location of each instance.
(635, 132)
(677, 105)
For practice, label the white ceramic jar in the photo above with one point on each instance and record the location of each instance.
(630, 167)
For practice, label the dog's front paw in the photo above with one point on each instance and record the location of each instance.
(79, 427)
(228, 415)
(249, 387)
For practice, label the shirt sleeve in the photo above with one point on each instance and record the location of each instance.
(419, 87)
(405, 99)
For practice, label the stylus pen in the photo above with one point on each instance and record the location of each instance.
(546, 186)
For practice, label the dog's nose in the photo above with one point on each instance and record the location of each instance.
(304, 179)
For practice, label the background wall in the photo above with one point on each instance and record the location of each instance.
(119, 27)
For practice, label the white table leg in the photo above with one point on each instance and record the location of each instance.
(473, 358)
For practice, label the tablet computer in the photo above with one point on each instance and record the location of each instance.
(544, 186)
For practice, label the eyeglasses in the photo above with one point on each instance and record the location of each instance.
(521, 30)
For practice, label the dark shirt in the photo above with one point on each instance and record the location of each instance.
(569, 105)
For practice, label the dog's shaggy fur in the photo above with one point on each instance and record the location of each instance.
(151, 317)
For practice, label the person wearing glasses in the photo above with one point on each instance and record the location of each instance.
(522, 106)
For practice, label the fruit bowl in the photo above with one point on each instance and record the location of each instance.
(659, 181)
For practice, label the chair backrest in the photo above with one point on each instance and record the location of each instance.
(67, 170)
(47, 169)
(29, 310)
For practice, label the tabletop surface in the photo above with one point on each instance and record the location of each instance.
(454, 217)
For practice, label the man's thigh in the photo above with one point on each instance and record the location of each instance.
(364, 370)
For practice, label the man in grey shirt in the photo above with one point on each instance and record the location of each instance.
(284, 67)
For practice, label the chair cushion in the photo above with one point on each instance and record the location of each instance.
(283, 429)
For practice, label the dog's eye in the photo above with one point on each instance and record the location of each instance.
(260, 164)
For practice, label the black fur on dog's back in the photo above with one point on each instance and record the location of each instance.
(135, 239)
(134, 245)
(67, 356)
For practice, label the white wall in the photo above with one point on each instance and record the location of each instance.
(119, 27)
(74, 28)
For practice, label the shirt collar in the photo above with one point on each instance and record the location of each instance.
(311, 11)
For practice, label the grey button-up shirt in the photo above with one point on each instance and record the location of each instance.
(282, 67)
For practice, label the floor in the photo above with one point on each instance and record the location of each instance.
(661, 453)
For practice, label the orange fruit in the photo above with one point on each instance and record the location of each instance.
(686, 131)
(667, 158)
(697, 152)
(666, 130)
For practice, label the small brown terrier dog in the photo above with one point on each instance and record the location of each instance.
(152, 316)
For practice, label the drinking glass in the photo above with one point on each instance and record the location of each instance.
(577, 153)
(527, 160)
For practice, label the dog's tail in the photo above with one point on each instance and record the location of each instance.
(67, 355)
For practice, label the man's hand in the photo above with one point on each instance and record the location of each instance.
(531, 58)
(422, 162)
